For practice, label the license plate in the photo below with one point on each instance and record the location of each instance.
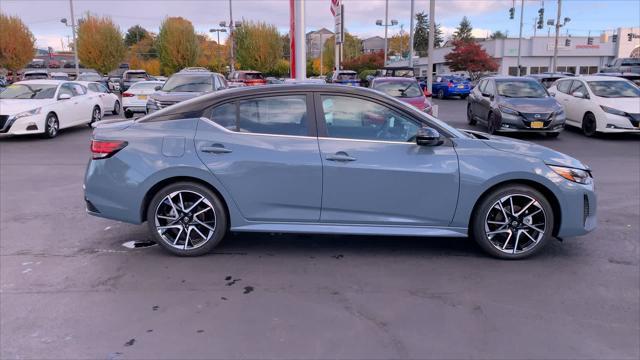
(460, 86)
(142, 97)
(537, 124)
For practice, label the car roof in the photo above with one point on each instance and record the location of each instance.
(42, 82)
(146, 82)
(135, 71)
(598, 78)
(346, 71)
(195, 72)
(394, 79)
(511, 78)
(36, 72)
(248, 71)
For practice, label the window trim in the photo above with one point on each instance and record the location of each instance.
(322, 126)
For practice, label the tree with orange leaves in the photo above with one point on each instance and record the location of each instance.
(16, 43)
(100, 44)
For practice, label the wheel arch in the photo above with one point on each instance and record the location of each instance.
(171, 180)
(548, 194)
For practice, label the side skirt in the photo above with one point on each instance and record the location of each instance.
(353, 229)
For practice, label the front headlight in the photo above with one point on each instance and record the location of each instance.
(559, 113)
(35, 111)
(153, 104)
(613, 111)
(576, 175)
(507, 110)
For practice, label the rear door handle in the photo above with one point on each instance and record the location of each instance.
(215, 149)
(340, 156)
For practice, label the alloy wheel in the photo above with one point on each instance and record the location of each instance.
(185, 220)
(515, 224)
(97, 114)
(116, 108)
(52, 126)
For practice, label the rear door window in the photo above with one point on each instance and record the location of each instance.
(278, 115)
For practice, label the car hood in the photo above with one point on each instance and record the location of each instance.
(531, 105)
(417, 102)
(525, 148)
(174, 96)
(628, 105)
(15, 106)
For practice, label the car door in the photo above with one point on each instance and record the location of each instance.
(264, 150)
(66, 109)
(375, 173)
(476, 96)
(106, 99)
(576, 106)
(484, 103)
(82, 103)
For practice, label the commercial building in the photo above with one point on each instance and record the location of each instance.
(373, 44)
(580, 55)
(315, 41)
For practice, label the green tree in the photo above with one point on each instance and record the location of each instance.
(498, 35)
(258, 46)
(16, 43)
(135, 34)
(421, 35)
(177, 44)
(463, 32)
(100, 44)
(352, 48)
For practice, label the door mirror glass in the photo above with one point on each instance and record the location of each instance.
(64, 97)
(427, 136)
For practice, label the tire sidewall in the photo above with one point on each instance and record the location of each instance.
(589, 118)
(46, 126)
(441, 94)
(221, 218)
(116, 108)
(470, 119)
(477, 224)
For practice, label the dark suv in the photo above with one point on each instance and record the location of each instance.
(185, 85)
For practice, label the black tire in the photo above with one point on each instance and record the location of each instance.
(218, 220)
(492, 124)
(128, 114)
(481, 213)
(441, 94)
(51, 126)
(463, 97)
(470, 119)
(96, 115)
(589, 125)
(553, 134)
(116, 108)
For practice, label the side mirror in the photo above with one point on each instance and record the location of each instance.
(579, 95)
(427, 93)
(552, 93)
(427, 136)
(158, 87)
(64, 97)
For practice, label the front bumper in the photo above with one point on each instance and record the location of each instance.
(517, 123)
(618, 124)
(24, 125)
(578, 209)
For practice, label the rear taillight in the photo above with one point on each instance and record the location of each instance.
(127, 94)
(450, 84)
(102, 149)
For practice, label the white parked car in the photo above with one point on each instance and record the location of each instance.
(110, 101)
(599, 104)
(134, 100)
(45, 107)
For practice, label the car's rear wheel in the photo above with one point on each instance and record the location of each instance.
(187, 219)
(116, 108)
(492, 124)
(513, 222)
(51, 126)
(128, 114)
(589, 125)
(440, 94)
(470, 118)
(463, 96)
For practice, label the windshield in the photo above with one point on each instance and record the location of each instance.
(189, 83)
(89, 77)
(520, 89)
(403, 89)
(35, 76)
(346, 76)
(142, 85)
(29, 91)
(253, 76)
(401, 73)
(614, 89)
(136, 75)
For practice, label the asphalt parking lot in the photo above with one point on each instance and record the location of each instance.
(70, 289)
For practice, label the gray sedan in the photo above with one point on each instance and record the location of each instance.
(329, 159)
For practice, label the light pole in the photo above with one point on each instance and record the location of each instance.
(75, 42)
(411, 34)
(231, 27)
(520, 36)
(386, 28)
(557, 26)
(218, 31)
(431, 46)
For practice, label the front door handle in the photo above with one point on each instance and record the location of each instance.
(215, 149)
(340, 156)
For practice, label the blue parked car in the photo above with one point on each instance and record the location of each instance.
(314, 158)
(450, 85)
(345, 77)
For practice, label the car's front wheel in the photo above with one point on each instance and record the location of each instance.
(440, 94)
(96, 115)
(51, 126)
(492, 124)
(470, 118)
(513, 222)
(187, 219)
(589, 125)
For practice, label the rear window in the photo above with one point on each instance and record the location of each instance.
(189, 83)
(253, 76)
(136, 75)
(347, 76)
(401, 89)
(145, 85)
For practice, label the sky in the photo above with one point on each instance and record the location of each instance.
(43, 16)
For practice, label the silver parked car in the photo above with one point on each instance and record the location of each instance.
(308, 158)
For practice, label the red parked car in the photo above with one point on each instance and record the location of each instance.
(247, 77)
(404, 89)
